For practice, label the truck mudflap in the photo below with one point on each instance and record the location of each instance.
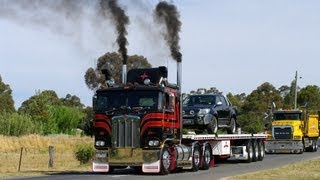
(283, 146)
(153, 167)
(100, 163)
(100, 167)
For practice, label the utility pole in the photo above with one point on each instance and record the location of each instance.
(295, 90)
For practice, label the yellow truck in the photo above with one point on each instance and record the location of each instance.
(293, 131)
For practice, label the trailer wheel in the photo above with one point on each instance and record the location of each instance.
(255, 150)
(261, 148)
(212, 127)
(249, 148)
(206, 157)
(165, 160)
(232, 126)
(196, 155)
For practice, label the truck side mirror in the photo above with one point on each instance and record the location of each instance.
(219, 103)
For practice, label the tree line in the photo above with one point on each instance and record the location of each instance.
(46, 113)
(254, 109)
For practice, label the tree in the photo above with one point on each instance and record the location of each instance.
(72, 101)
(289, 93)
(7, 103)
(260, 99)
(237, 100)
(37, 106)
(256, 105)
(310, 95)
(112, 61)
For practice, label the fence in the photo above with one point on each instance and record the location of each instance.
(31, 154)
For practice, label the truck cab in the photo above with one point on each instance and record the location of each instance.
(293, 131)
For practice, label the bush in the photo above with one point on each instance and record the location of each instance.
(251, 122)
(84, 153)
(63, 119)
(13, 124)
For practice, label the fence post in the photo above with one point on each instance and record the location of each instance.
(51, 156)
(20, 159)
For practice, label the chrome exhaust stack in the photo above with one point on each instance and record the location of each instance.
(124, 73)
(179, 83)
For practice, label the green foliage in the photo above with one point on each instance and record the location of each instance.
(7, 103)
(63, 119)
(260, 99)
(71, 101)
(251, 122)
(237, 100)
(37, 106)
(13, 124)
(113, 62)
(84, 153)
(310, 95)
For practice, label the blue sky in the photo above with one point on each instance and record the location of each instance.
(233, 45)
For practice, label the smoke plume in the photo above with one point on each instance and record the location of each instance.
(121, 20)
(168, 14)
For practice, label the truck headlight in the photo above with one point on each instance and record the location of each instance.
(100, 143)
(153, 143)
(203, 112)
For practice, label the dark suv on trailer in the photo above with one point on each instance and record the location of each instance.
(209, 112)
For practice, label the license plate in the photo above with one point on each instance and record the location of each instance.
(283, 151)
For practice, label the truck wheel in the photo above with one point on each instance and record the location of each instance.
(261, 148)
(196, 155)
(165, 160)
(315, 146)
(255, 151)
(249, 150)
(206, 158)
(232, 126)
(212, 127)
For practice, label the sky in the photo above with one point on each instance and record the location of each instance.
(233, 45)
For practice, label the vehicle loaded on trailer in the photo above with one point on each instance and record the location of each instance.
(138, 123)
(209, 112)
(293, 131)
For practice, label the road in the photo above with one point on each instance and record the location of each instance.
(228, 168)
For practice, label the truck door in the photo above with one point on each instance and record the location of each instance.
(223, 111)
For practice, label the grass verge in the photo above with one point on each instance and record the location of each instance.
(35, 156)
(307, 170)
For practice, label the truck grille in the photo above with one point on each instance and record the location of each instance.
(282, 132)
(126, 131)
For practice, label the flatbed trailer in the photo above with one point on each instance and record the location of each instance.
(246, 147)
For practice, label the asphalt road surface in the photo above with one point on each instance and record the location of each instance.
(221, 170)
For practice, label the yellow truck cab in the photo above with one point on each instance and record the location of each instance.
(293, 131)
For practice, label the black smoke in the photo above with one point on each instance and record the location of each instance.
(121, 20)
(168, 14)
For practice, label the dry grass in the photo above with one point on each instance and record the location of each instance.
(35, 154)
(304, 170)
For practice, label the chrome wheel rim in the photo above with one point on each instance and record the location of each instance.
(196, 157)
(207, 156)
(166, 159)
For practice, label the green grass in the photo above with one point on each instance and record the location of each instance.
(307, 170)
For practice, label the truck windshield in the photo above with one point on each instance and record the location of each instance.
(199, 100)
(287, 116)
(127, 99)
